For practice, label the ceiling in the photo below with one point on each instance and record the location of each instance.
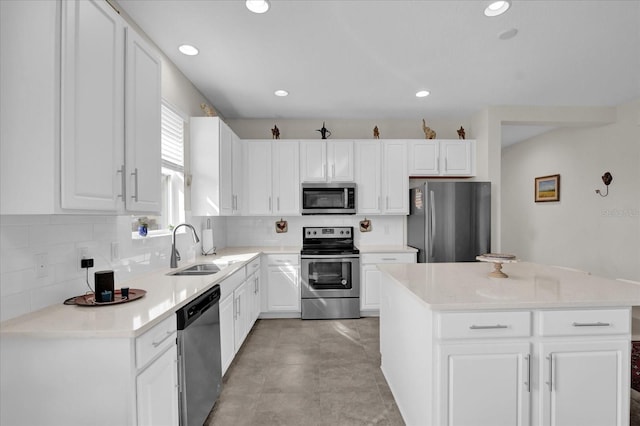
(356, 59)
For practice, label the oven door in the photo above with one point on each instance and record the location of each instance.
(330, 276)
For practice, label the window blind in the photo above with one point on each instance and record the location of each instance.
(172, 140)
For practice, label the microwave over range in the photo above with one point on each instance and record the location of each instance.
(328, 198)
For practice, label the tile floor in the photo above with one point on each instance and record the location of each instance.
(312, 372)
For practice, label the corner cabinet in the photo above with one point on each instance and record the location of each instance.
(442, 157)
(382, 177)
(105, 79)
(272, 179)
(326, 160)
(216, 158)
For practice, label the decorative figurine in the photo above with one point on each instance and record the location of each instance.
(281, 226)
(275, 132)
(428, 132)
(461, 134)
(376, 133)
(208, 111)
(324, 132)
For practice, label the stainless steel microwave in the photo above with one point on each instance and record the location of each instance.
(328, 198)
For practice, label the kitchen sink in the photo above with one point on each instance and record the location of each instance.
(201, 269)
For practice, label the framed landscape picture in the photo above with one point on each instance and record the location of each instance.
(547, 188)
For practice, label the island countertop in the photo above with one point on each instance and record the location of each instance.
(467, 286)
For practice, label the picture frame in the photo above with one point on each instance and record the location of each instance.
(547, 188)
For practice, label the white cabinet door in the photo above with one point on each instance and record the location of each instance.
(237, 153)
(370, 282)
(313, 161)
(92, 104)
(142, 115)
(368, 176)
(226, 170)
(580, 383)
(157, 391)
(258, 186)
(286, 177)
(456, 158)
(340, 161)
(484, 384)
(283, 288)
(241, 317)
(227, 333)
(424, 158)
(395, 178)
(253, 289)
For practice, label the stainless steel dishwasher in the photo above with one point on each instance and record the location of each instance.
(199, 366)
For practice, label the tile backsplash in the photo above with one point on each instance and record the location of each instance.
(39, 257)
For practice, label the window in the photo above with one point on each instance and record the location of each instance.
(172, 140)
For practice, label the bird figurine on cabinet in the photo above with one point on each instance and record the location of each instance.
(376, 133)
(428, 132)
(461, 134)
(208, 111)
(275, 132)
(324, 132)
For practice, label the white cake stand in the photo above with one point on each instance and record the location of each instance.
(497, 260)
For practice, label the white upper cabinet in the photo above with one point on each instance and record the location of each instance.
(326, 161)
(272, 180)
(381, 177)
(216, 157)
(92, 100)
(142, 117)
(433, 157)
(93, 78)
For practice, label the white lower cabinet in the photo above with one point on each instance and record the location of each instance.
(157, 392)
(580, 383)
(157, 379)
(253, 291)
(241, 315)
(484, 384)
(547, 368)
(282, 288)
(227, 333)
(370, 278)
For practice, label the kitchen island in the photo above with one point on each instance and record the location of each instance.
(545, 346)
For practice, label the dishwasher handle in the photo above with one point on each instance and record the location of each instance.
(197, 307)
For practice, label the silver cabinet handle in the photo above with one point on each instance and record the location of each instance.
(529, 373)
(446, 165)
(158, 343)
(333, 170)
(269, 203)
(550, 382)
(123, 183)
(591, 324)
(135, 175)
(278, 202)
(387, 202)
(487, 327)
(389, 258)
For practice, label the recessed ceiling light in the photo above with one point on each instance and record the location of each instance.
(506, 35)
(496, 8)
(422, 94)
(188, 50)
(281, 92)
(257, 6)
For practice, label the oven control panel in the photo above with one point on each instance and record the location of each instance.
(327, 232)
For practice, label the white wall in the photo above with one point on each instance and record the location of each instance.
(583, 230)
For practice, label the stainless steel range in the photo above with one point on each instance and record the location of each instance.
(330, 273)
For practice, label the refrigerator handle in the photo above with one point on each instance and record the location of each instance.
(432, 222)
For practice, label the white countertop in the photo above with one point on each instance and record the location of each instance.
(165, 295)
(386, 249)
(466, 286)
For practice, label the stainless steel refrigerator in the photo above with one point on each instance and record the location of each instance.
(450, 221)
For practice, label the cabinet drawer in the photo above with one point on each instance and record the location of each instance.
(584, 322)
(230, 283)
(375, 258)
(282, 259)
(156, 341)
(253, 266)
(483, 325)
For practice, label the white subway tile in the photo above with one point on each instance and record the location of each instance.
(42, 235)
(14, 236)
(14, 305)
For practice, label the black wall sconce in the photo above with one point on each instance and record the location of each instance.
(607, 179)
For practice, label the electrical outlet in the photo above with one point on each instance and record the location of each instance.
(83, 253)
(42, 265)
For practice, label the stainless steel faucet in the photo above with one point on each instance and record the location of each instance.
(175, 256)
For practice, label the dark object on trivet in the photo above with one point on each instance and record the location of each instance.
(103, 282)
